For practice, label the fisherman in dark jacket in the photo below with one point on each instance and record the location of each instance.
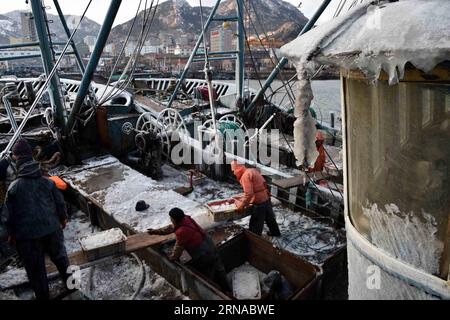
(35, 216)
(8, 173)
(192, 238)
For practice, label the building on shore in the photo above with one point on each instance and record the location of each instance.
(28, 29)
(221, 40)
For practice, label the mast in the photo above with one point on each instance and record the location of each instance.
(47, 59)
(237, 55)
(66, 29)
(93, 62)
(240, 64)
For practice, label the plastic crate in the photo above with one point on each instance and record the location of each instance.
(225, 214)
(105, 251)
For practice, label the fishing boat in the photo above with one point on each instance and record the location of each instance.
(139, 138)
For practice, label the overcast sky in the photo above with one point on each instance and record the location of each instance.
(98, 7)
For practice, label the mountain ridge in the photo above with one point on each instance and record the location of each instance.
(11, 26)
(176, 19)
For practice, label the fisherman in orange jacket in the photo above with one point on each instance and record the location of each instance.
(311, 196)
(257, 199)
(321, 159)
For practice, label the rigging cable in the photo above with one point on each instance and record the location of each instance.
(139, 49)
(122, 50)
(252, 59)
(283, 79)
(120, 84)
(208, 77)
(145, 31)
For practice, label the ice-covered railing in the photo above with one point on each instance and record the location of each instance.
(162, 84)
(71, 88)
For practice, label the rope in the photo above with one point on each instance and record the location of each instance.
(141, 278)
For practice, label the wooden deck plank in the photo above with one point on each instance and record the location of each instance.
(134, 243)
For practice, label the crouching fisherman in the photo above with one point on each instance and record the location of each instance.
(257, 199)
(192, 238)
(35, 217)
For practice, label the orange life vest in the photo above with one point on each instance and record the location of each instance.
(60, 184)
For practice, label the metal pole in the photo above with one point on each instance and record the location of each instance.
(315, 17)
(193, 54)
(29, 56)
(39, 95)
(216, 59)
(26, 44)
(9, 110)
(240, 64)
(68, 33)
(47, 59)
(93, 62)
(332, 119)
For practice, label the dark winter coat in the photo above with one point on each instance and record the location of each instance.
(34, 206)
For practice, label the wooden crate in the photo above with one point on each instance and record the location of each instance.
(225, 215)
(105, 251)
(197, 179)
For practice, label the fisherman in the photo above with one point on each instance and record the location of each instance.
(36, 216)
(60, 183)
(319, 165)
(8, 173)
(192, 238)
(311, 196)
(257, 199)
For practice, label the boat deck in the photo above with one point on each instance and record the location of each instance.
(116, 188)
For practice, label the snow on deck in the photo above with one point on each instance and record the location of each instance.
(309, 238)
(116, 188)
(113, 279)
(102, 239)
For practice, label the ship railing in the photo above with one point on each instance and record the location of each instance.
(162, 84)
(70, 86)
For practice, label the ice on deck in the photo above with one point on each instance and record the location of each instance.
(116, 188)
(103, 239)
